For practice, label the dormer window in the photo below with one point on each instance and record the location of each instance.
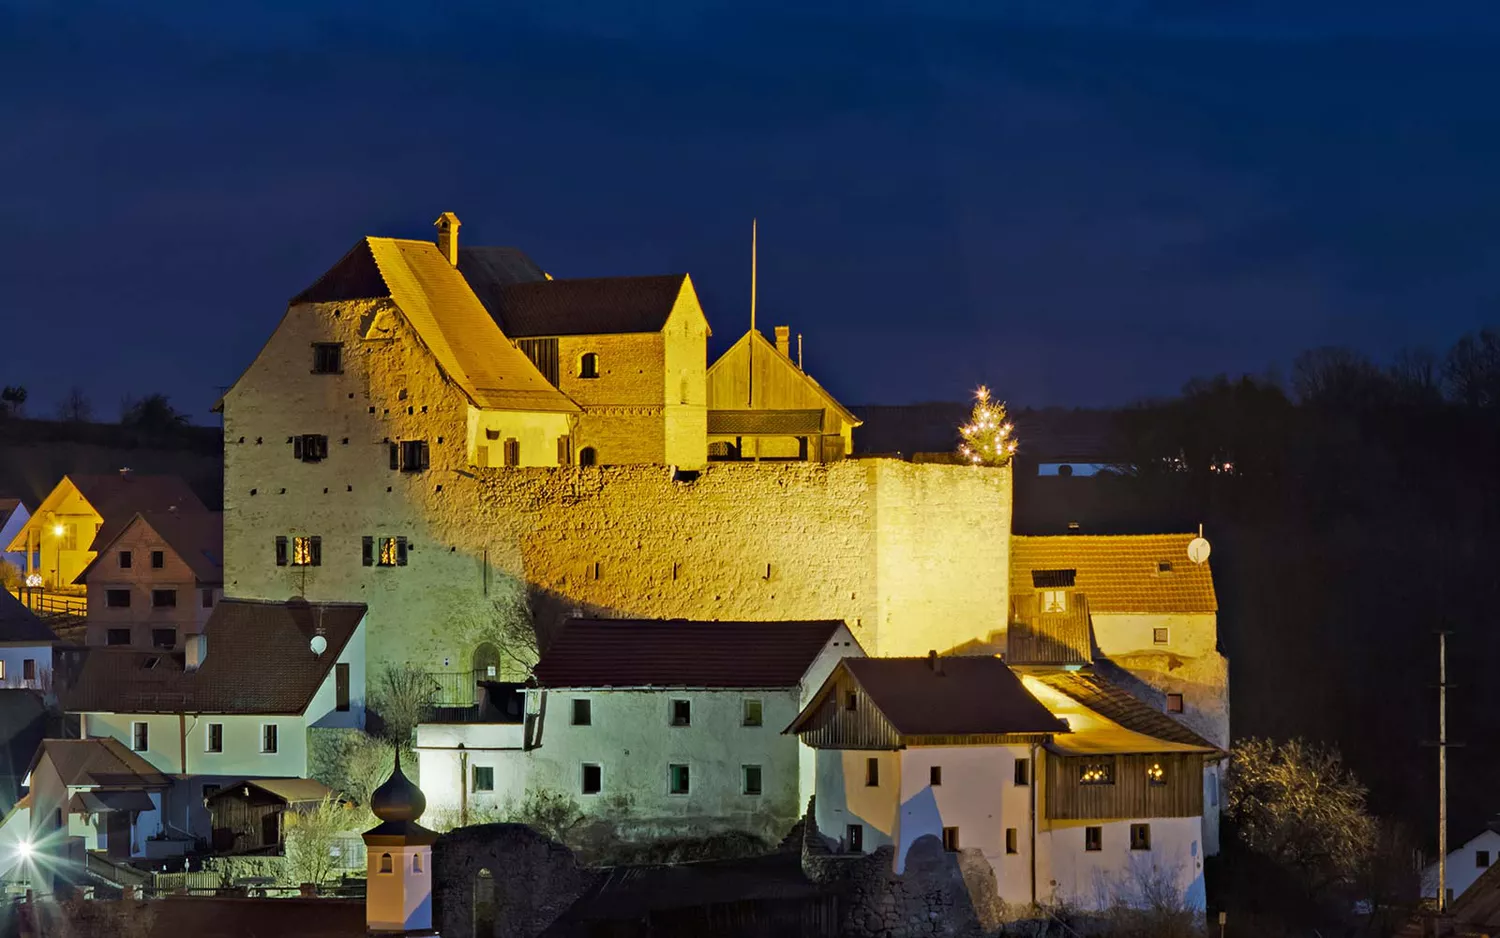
(1163, 567)
(1054, 601)
(588, 365)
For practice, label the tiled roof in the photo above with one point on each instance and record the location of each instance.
(196, 537)
(103, 762)
(289, 790)
(19, 624)
(753, 422)
(1115, 703)
(661, 653)
(597, 306)
(451, 320)
(119, 495)
(1119, 574)
(259, 661)
(968, 695)
(487, 268)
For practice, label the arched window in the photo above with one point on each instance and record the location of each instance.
(416, 863)
(385, 863)
(486, 662)
(485, 918)
(587, 456)
(588, 365)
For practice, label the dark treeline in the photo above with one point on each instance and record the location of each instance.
(1354, 511)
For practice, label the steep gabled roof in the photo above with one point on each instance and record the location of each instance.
(117, 497)
(447, 316)
(1117, 705)
(102, 762)
(595, 306)
(19, 624)
(289, 790)
(1119, 574)
(196, 537)
(259, 661)
(659, 653)
(976, 695)
(753, 340)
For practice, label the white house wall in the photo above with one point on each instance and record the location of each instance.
(13, 660)
(1463, 867)
(1095, 879)
(441, 763)
(1189, 663)
(323, 711)
(844, 798)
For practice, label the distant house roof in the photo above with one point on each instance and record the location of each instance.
(1119, 574)
(764, 422)
(658, 653)
(1118, 706)
(258, 660)
(596, 306)
(965, 696)
(105, 763)
(453, 323)
(196, 537)
(24, 723)
(287, 790)
(487, 268)
(19, 624)
(8, 507)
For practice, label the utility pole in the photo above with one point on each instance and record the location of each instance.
(1442, 747)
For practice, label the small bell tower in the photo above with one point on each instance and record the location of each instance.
(398, 897)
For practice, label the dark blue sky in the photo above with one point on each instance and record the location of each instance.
(1075, 207)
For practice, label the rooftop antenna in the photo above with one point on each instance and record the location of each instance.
(1443, 744)
(750, 382)
(1198, 548)
(799, 352)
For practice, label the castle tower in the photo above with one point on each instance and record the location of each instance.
(398, 899)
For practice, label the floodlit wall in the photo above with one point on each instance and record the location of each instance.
(1094, 879)
(844, 797)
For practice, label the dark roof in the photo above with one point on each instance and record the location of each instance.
(598, 306)
(19, 624)
(1119, 573)
(221, 917)
(773, 422)
(196, 537)
(978, 694)
(658, 653)
(104, 762)
(24, 723)
(1053, 579)
(259, 660)
(491, 269)
(7, 508)
(119, 495)
(287, 790)
(1114, 702)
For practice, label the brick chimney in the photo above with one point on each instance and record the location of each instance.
(784, 340)
(447, 236)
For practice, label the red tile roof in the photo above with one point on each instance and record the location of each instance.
(1119, 574)
(967, 695)
(118, 496)
(259, 660)
(660, 653)
(597, 306)
(1114, 702)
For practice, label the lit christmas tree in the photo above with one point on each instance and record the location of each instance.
(987, 439)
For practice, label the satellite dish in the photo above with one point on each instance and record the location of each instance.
(1198, 549)
(319, 644)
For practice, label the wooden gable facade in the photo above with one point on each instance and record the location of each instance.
(843, 716)
(761, 405)
(1115, 785)
(1049, 624)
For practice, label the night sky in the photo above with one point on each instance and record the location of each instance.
(1078, 208)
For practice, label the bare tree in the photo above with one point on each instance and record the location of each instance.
(12, 400)
(1472, 370)
(404, 696)
(311, 836)
(75, 408)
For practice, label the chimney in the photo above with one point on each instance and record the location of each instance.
(447, 237)
(934, 662)
(195, 649)
(784, 340)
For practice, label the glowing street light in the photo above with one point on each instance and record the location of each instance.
(24, 849)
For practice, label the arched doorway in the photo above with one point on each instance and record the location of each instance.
(484, 904)
(486, 662)
(587, 456)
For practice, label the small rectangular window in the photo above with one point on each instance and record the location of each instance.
(140, 736)
(1164, 566)
(1482, 859)
(367, 551)
(588, 365)
(872, 772)
(164, 599)
(593, 780)
(1159, 636)
(484, 778)
(752, 715)
(28, 669)
(1093, 839)
(310, 447)
(208, 599)
(268, 737)
(164, 639)
(281, 551)
(341, 687)
(1023, 772)
(950, 839)
(854, 838)
(1174, 703)
(935, 775)
(117, 637)
(750, 775)
(583, 712)
(1010, 841)
(677, 779)
(2, 669)
(124, 560)
(682, 713)
(1140, 837)
(158, 559)
(1096, 773)
(215, 737)
(1156, 774)
(117, 599)
(328, 358)
(307, 551)
(512, 451)
(392, 552)
(1054, 601)
(851, 701)
(414, 455)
